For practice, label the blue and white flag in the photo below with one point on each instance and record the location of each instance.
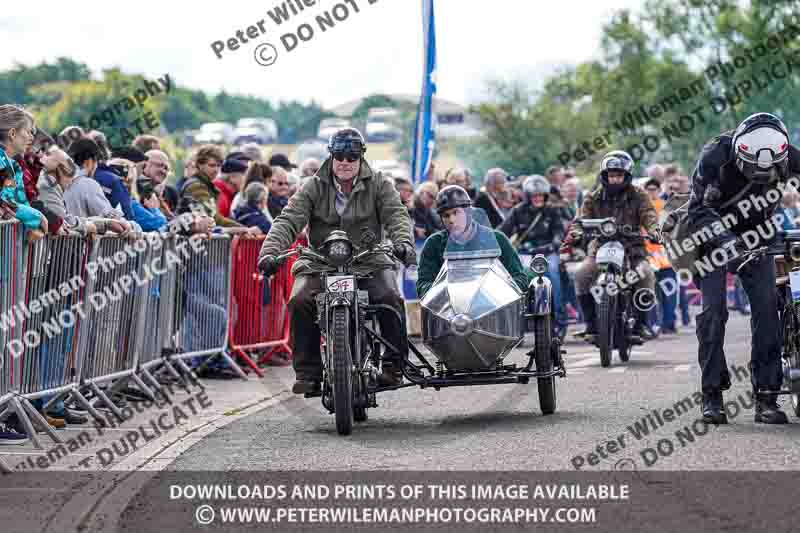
(424, 137)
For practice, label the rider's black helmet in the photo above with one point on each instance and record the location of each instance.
(347, 140)
(616, 160)
(451, 197)
(761, 148)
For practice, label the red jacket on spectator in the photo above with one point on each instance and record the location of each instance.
(225, 199)
(31, 168)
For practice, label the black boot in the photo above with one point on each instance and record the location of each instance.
(306, 386)
(642, 328)
(768, 411)
(713, 413)
(586, 301)
(392, 374)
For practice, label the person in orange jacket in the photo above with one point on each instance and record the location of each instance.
(667, 292)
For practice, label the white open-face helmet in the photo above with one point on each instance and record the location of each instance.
(761, 148)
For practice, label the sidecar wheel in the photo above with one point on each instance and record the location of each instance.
(543, 344)
(342, 371)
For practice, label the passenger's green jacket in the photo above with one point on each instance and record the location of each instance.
(374, 203)
(432, 259)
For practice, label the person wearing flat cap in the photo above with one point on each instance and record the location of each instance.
(281, 160)
(230, 181)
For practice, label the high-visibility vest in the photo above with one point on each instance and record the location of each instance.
(657, 256)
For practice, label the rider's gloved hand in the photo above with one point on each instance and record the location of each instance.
(269, 265)
(406, 254)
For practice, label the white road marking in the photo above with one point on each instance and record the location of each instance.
(682, 368)
(618, 370)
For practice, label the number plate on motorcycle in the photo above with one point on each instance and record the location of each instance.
(341, 283)
(612, 252)
(794, 281)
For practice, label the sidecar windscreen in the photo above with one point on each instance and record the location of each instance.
(472, 237)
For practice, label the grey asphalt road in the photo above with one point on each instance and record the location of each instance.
(501, 427)
(597, 435)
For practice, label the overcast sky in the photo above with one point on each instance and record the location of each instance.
(377, 49)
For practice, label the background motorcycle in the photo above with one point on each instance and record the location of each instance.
(616, 312)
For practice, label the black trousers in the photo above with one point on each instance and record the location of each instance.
(765, 359)
(307, 361)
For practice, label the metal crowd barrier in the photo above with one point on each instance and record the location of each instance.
(11, 290)
(44, 359)
(161, 302)
(77, 313)
(204, 307)
(259, 318)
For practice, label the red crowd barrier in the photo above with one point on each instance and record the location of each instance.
(260, 314)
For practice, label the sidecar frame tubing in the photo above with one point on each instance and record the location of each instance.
(505, 376)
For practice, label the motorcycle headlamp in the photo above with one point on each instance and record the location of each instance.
(539, 264)
(608, 228)
(794, 252)
(339, 252)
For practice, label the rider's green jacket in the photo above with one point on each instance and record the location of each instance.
(432, 259)
(373, 204)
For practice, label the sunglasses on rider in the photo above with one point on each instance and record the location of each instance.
(351, 157)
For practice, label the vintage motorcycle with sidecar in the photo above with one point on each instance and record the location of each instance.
(473, 316)
(614, 293)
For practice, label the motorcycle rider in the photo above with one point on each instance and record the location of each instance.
(452, 204)
(630, 206)
(752, 160)
(539, 229)
(345, 194)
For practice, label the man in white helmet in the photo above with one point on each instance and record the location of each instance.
(744, 163)
(539, 229)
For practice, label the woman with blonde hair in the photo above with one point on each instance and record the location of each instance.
(17, 130)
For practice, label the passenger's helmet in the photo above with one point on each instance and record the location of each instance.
(616, 160)
(761, 148)
(536, 185)
(451, 197)
(347, 140)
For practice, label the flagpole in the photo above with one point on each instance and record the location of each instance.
(424, 135)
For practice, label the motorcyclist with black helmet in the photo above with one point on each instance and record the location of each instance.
(745, 163)
(453, 204)
(345, 194)
(538, 228)
(630, 206)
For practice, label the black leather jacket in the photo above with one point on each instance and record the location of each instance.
(716, 180)
(545, 237)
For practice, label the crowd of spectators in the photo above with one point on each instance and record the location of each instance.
(74, 183)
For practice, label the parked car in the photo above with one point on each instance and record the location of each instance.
(329, 126)
(312, 148)
(257, 130)
(215, 133)
(382, 124)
